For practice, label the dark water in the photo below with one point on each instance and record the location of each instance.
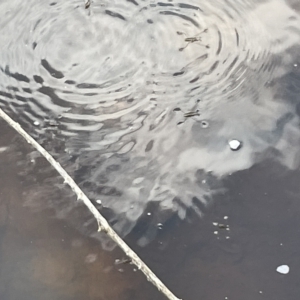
(42, 257)
(142, 119)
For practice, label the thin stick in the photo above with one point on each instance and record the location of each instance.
(102, 223)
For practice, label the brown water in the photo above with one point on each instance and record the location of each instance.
(44, 258)
(139, 101)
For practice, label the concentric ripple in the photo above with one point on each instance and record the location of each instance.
(138, 99)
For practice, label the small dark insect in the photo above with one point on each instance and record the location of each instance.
(187, 114)
(191, 114)
(192, 39)
(87, 4)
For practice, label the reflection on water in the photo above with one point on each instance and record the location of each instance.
(139, 104)
(233, 251)
(260, 211)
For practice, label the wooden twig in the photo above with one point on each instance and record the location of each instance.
(102, 223)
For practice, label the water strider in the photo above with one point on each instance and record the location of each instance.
(194, 39)
(189, 114)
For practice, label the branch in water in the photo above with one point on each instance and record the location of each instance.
(102, 223)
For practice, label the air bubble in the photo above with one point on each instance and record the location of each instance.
(204, 124)
(235, 145)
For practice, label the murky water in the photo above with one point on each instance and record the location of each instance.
(142, 103)
(42, 257)
(205, 260)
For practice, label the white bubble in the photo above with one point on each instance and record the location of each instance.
(36, 123)
(284, 269)
(235, 145)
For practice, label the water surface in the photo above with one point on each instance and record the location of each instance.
(139, 100)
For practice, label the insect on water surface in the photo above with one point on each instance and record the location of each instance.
(193, 39)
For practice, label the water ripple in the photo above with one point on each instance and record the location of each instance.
(154, 88)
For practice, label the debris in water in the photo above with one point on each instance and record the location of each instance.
(90, 258)
(225, 217)
(99, 201)
(223, 226)
(215, 223)
(284, 269)
(36, 123)
(2, 149)
(160, 225)
(216, 232)
(122, 261)
(235, 145)
(149, 214)
(204, 124)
